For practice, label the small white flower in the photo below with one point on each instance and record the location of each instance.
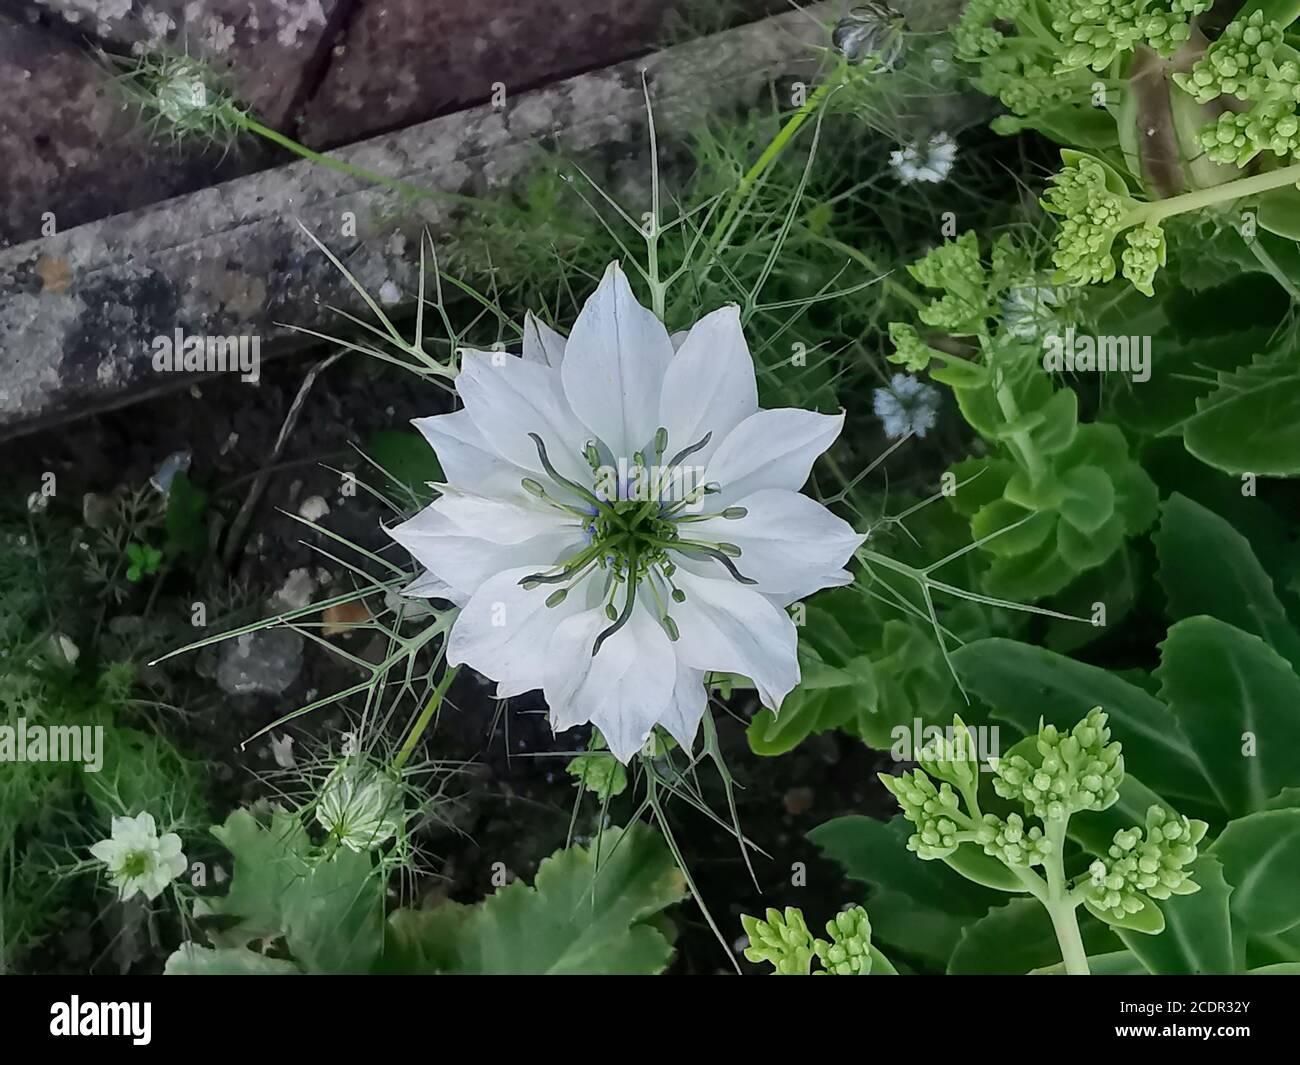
(361, 806)
(906, 406)
(928, 161)
(614, 595)
(137, 859)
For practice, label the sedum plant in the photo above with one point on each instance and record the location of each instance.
(784, 941)
(1054, 497)
(1053, 776)
(1162, 112)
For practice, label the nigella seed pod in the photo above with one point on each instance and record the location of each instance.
(872, 31)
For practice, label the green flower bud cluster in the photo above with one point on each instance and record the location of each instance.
(1236, 138)
(955, 759)
(1237, 64)
(1034, 88)
(955, 268)
(1010, 842)
(910, 350)
(1064, 773)
(1243, 63)
(977, 32)
(785, 943)
(849, 951)
(1096, 32)
(1092, 214)
(933, 811)
(782, 941)
(1143, 255)
(1153, 864)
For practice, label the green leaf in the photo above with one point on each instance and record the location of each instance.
(268, 860)
(576, 919)
(1088, 127)
(1260, 855)
(191, 959)
(1197, 939)
(1279, 212)
(1166, 402)
(1114, 963)
(1149, 921)
(972, 863)
(187, 532)
(329, 909)
(1207, 567)
(1023, 683)
(1250, 423)
(408, 460)
(1017, 938)
(1238, 702)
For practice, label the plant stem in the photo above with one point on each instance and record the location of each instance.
(351, 169)
(1232, 190)
(722, 231)
(426, 715)
(1060, 907)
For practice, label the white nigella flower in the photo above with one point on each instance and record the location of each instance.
(137, 859)
(906, 406)
(622, 517)
(928, 161)
(361, 806)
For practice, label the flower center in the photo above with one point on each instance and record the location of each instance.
(135, 864)
(634, 520)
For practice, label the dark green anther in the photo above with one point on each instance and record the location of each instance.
(732, 513)
(557, 597)
(685, 452)
(622, 618)
(730, 566)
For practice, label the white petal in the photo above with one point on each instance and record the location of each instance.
(727, 627)
(107, 851)
(625, 689)
(782, 600)
(169, 846)
(467, 459)
(709, 386)
(465, 561)
(508, 399)
(542, 343)
(614, 366)
(499, 521)
(504, 630)
(788, 542)
(770, 449)
(429, 586)
(689, 701)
